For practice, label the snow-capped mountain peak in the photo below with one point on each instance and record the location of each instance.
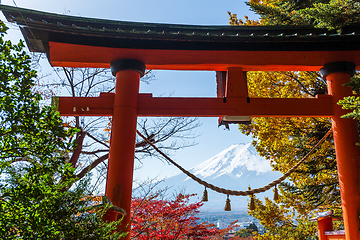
(235, 168)
(232, 161)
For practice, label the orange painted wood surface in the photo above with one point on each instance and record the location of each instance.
(73, 55)
(336, 237)
(122, 145)
(202, 107)
(346, 136)
(324, 224)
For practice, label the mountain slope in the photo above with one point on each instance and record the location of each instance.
(235, 168)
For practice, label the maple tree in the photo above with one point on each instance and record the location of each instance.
(154, 217)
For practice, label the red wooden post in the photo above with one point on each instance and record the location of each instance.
(324, 224)
(347, 152)
(123, 135)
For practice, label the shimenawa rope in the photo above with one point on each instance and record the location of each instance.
(233, 192)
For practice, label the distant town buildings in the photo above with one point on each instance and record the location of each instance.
(223, 220)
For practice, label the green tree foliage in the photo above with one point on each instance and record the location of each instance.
(275, 12)
(39, 198)
(352, 102)
(243, 233)
(247, 232)
(333, 14)
(34, 205)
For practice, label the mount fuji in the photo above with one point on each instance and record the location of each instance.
(235, 168)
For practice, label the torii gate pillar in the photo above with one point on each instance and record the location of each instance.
(346, 136)
(123, 135)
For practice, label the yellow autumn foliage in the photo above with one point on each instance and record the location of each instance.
(284, 141)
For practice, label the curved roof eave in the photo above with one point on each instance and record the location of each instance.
(87, 42)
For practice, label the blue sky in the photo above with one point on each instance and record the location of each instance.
(212, 139)
(210, 12)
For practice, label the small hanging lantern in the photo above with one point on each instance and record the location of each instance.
(227, 204)
(205, 196)
(252, 201)
(276, 194)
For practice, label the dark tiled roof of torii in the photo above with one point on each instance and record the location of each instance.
(43, 26)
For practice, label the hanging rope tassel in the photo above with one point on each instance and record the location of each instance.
(205, 196)
(227, 204)
(276, 194)
(252, 201)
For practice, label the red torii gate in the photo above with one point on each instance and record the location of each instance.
(130, 47)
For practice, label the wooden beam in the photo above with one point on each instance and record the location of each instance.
(236, 83)
(74, 55)
(202, 107)
(87, 106)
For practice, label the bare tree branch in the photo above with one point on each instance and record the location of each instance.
(95, 139)
(76, 153)
(95, 152)
(92, 165)
(169, 134)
